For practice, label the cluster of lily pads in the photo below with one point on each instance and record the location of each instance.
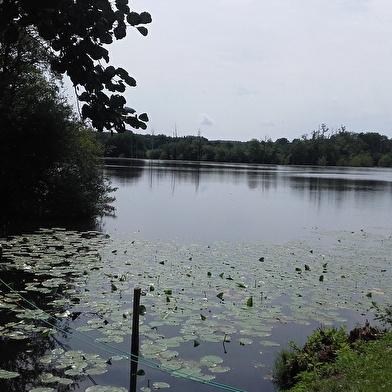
(81, 284)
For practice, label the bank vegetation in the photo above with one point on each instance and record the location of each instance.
(323, 147)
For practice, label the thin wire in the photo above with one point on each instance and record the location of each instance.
(116, 350)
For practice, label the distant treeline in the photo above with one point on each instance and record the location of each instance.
(322, 147)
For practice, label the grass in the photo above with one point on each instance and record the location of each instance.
(368, 368)
(330, 363)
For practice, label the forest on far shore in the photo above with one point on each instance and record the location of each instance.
(322, 147)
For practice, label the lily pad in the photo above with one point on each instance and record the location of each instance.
(8, 374)
(211, 360)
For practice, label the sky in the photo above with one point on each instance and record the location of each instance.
(243, 69)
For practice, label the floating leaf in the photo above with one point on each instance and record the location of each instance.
(219, 369)
(7, 374)
(249, 302)
(211, 360)
(269, 343)
(102, 388)
(160, 385)
(245, 341)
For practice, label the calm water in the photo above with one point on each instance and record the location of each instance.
(208, 203)
(204, 203)
(191, 203)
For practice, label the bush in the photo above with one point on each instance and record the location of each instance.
(385, 160)
(322, 356)
(320, 347)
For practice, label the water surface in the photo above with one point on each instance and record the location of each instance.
(204, 202)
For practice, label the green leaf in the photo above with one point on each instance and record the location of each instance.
(249, 302)
(122, 72)
(196, 343)
(142, 30)
(321, 278)
(203, 317)
(220, 296)
(145, 18)
(110, 71)
(117, 101)
(143, 117)
(307, 268)
(113, 287)
(133, 18)
(7, 374)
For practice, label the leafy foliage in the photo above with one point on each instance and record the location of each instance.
(323, 350)
(382, 315)
(74, 35)
(48, 161)
(325, 149)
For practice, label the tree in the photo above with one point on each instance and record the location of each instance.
(48, 160)
(73, 34)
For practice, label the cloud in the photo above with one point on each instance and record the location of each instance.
(206, 120)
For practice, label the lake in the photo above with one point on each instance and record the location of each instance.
(205, 202)
(233, 260)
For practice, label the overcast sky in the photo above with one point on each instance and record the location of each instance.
(243, 69)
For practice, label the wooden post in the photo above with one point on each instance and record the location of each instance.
(135, 338)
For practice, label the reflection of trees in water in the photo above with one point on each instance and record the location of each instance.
(336, 190)
(125, 171)
(25, 356)
(263, 179)
(196, 172)
(17, 226)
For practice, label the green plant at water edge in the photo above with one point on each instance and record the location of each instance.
(365, 369)
(329, 354)
(384, 316)
(321, 347)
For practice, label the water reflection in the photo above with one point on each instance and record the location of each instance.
(212, 202)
